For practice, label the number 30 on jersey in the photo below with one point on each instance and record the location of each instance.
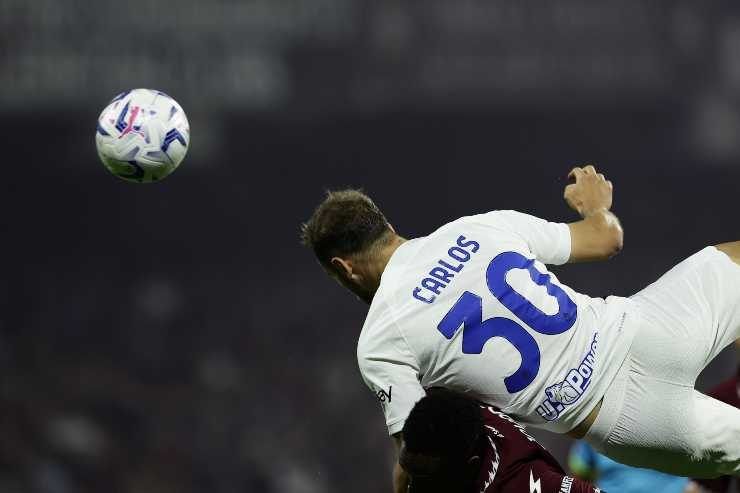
(467, 313)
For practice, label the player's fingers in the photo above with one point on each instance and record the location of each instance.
(611, 185)
(590, 169)
(601, 177)
(576, 173)
(569, 191)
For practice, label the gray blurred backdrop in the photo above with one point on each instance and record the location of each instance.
(175, 337)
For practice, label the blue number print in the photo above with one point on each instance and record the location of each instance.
(522, 307)
(468, 313)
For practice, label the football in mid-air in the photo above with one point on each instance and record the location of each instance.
(142, 135)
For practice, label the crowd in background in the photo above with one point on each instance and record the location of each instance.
(177, 338)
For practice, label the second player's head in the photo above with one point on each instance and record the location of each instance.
(441, 443)
(350, 237)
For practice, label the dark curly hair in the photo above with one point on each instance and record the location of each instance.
(444, 424)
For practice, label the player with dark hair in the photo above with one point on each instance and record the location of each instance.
(349, 223)
(452, 444)
(472, 307)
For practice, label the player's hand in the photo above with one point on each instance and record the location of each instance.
(590, 193)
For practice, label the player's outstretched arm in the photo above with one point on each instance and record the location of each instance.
(599, 235)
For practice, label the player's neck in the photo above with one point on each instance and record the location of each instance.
(377, 266)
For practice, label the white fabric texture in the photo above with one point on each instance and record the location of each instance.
(652, 416)
(402, 350)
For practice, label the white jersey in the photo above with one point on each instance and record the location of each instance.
(472, 307)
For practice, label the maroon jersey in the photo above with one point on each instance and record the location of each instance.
(514, 462)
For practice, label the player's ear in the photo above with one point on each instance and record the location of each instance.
(342, 267)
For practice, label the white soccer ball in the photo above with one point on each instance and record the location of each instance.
(142, 135)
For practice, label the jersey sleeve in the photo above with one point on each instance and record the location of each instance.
(549, 242)
(393, 376)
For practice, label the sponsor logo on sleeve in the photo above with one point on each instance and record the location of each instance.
(566, 485)
(384, 396)
(566, 392)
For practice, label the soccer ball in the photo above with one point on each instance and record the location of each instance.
(142, 135)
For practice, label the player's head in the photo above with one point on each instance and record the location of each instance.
(441, 443)
(347, 232)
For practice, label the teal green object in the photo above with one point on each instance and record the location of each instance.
(611, 476)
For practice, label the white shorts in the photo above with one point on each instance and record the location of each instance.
(651, 415)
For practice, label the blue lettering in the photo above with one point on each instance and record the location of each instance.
(547, 411)
(432, 285)
(468, 313)
(463, 244)
(571, 389)
(462, 256)
(441, 274)
(575, 380)
(521, 306)
(452, 268)
(418, 296)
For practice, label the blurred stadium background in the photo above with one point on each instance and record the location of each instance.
(176, 337)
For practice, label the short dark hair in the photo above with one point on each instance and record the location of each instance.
(346, 223)
(443, 424)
